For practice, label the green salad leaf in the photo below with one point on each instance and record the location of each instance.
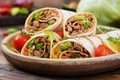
(36, 15)
(107, 12)
(39, 45)
(87, 24)
(65, 46)
(30, 43)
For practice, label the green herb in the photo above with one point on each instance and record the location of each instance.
(65, 46)
(81, 18)
(48, 23)
(30, 43)
(87, 24)
(39, 45)
(114, 40)
(23, 11)
(64, 38)
(36, 15)
(12, 30)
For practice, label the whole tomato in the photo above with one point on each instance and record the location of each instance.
(102, 50)
(19, 41)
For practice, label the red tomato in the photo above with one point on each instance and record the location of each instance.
(102, 50)
(19, 41)
(5, 34)
(25, 51)
(60, 33)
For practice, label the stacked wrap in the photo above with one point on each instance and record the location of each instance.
(79, 28)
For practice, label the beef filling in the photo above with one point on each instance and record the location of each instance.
(73, 50)
(79, 24)
(42, 20)
(39, 47)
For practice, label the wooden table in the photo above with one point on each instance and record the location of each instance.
(8, 72)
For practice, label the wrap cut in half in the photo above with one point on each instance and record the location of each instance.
(40, 45)
(43, 19)
(80, 24)
(80, 47)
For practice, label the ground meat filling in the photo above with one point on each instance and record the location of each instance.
(78, 24)
(39, 47)
(42, 20)
(73, 50)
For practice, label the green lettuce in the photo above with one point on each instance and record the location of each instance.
(107, 12)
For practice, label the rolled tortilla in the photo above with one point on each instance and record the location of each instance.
(39, 45)
(65, 15)
(80, 24)
(43, 19)
(80, 47)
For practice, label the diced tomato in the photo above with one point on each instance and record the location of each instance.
(25, 51)
(60, 33)
(103, 50)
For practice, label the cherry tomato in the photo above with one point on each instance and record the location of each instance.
(102, 50)
(5, 34)
(19, 41)
(60, 33)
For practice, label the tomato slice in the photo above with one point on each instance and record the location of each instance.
(60, 33)
(102, 50)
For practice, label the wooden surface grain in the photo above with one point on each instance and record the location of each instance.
(9, 72)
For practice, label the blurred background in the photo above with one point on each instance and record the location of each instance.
(15, 12)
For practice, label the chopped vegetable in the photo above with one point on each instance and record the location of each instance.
(114, 40)
(64, 38)
(30, 43)
(87, 24)
(39, 45)
(12, 30)
(23, 11)
(65, 46)
(15, 11)
(60, 33)
(36, 15)
(103, 50)
(48, 23)
(81, 18)
(50, 34)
